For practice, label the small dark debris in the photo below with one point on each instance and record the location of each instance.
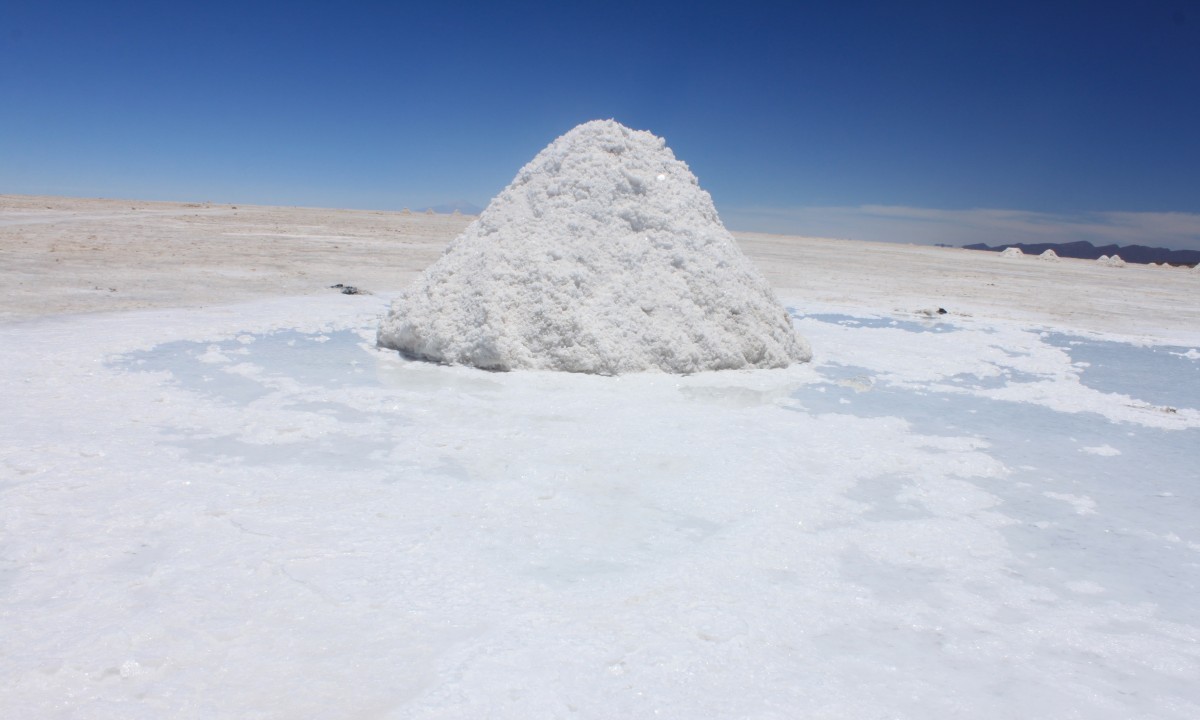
(346, 289)
(941, 311)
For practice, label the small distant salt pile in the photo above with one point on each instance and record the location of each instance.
(1050, 255)
(430, 211)
(603, 256)
(1114, 261)
(1012, 252)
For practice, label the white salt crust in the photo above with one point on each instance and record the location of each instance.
(603, 256)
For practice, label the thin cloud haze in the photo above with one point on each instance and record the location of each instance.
(927, 226)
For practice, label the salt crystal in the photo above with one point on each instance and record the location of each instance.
(603, 256)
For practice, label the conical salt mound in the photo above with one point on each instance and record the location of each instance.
(1012, 252)
(604, 256)
(1049, 254)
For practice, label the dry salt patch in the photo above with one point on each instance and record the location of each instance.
(1012, 252)
(1085, 587)
(605, 256)
(1082, 504)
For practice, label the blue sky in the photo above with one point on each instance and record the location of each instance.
(881, 120)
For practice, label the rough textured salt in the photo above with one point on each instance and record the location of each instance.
(604, 256)
(1012, 252)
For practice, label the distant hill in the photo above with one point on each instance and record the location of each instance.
(1087, 251)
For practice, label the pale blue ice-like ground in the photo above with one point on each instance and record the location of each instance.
(252, 511)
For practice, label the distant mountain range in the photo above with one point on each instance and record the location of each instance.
(1088, 251)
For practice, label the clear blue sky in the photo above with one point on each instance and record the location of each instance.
(795, 116)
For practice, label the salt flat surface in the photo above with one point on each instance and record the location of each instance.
(69, 255)
(103, 255)
(249, 510)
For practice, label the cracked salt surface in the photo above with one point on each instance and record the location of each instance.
(259, 500)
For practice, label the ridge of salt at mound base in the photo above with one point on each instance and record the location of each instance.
(602, 256)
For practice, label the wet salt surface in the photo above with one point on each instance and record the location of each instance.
(932, 324)
(1147, 481)
(332, 359)
(880, 533)
(1148, 485)
(1165, 374)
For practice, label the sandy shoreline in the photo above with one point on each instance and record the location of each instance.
(67, 255)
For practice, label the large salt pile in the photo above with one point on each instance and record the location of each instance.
(1049, 254)
(604, 256)
(1012, 252)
